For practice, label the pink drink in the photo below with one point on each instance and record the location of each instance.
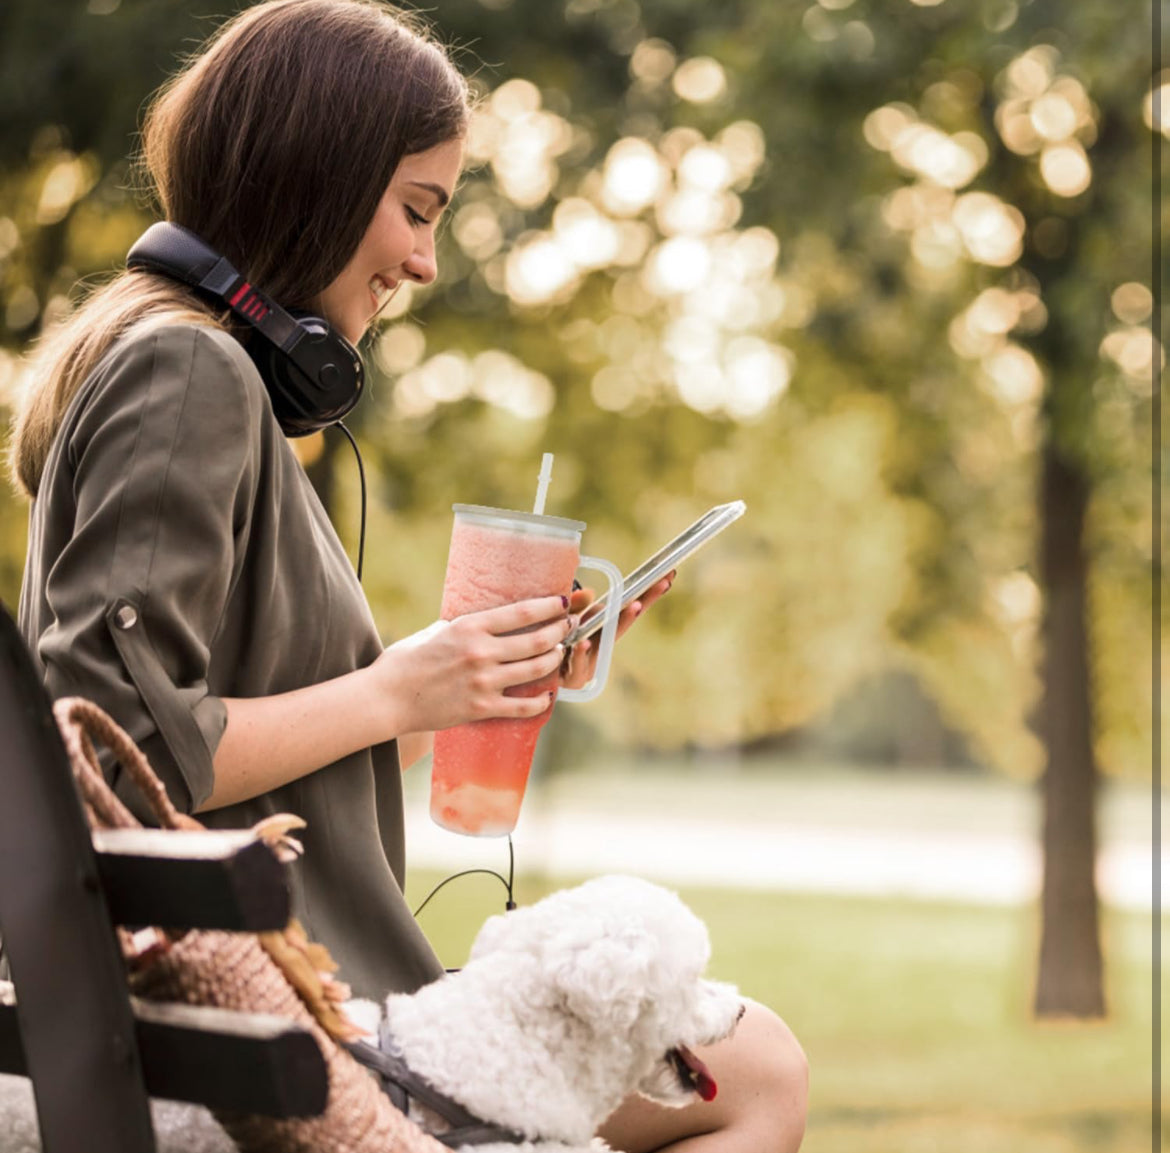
(497, 557)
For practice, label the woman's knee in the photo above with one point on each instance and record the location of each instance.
(776, 1077)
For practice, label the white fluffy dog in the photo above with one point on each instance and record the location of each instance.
(564, 1009)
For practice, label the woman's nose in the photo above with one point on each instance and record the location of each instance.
(421, 265)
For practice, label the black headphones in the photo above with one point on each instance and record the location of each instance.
(313, 374)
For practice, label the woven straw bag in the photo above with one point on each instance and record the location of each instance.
(280, 973)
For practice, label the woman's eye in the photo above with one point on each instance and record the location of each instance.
(416, 217)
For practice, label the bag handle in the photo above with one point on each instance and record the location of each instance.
(81, 722)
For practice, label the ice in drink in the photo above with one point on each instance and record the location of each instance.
(497, 557)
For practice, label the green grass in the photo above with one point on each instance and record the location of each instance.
(915, 1017)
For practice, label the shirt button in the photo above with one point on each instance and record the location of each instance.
(126, 617)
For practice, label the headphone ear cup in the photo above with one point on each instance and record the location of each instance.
(313, 374)
(313, 385)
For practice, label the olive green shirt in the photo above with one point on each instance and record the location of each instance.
(178, 555)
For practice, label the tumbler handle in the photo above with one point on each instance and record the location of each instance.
(608, 635)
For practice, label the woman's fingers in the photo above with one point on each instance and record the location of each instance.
(522, 672)
(521, 615)
(580, 599)
(578, 669)
(521, 646)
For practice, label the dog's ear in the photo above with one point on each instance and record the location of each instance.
(603, 981)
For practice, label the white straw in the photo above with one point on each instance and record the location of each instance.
(543, 483)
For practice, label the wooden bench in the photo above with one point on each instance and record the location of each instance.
(95, 1055)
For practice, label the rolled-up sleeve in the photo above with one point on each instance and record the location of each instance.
(163, 459)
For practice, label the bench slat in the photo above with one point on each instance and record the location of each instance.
(192, 880)
(249, 1062)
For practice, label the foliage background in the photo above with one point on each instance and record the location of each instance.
(695, 260)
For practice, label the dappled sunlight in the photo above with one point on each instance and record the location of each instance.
(539, 270)
(1131, 302)
(399, 348)
(699, 80)
(1156, 105)
(1014, 377)
(665, 208)
(632, 178)
(918, 147)
(1135, 350)
(992, 230)
(1066, 169)
(476, 227)
(68, 179)
(1044, 114)
(652, 61)
(495, 377)
(521, 141)
(1015, 599)
(982, 327)
(589, 238)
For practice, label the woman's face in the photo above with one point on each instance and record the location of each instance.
(400, 241)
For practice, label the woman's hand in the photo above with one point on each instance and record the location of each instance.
(581, 661)
(458, 671)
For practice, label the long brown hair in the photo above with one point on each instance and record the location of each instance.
(275, 144)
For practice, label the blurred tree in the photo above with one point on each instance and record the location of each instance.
(1007, 99)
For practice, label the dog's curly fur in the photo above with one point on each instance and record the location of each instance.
(564, 1009)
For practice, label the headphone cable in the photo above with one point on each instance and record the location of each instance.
(511, 903)
(362, 475)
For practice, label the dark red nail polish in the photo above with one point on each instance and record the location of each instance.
(564, 602)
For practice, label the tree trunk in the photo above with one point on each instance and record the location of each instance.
(1070, 974)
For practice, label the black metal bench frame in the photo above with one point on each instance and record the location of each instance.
(94, 1054)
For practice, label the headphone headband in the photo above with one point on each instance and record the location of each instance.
(313, 374)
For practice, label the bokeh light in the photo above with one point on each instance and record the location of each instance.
(699, 80)
(495, 377)
(399, 348)
(1066, 169)
(992, 230)
(1053, 116)
(66, 182)
(706, 168)
(742, 143)
(590, 239)
(1131, 302)
(1029, 75)
(1134, 350)
(476, 228)
(521, 140)
(1156, 106)
(1015, 376)
(538, 269)
(678, 265)
(918, 147)
(632, 178)
(652, 61)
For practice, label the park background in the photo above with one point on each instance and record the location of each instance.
(884, 270)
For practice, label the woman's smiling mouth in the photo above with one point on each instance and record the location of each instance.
(381, 290)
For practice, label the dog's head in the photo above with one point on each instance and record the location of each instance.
(621, 960)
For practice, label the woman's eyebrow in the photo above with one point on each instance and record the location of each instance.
(440, 193)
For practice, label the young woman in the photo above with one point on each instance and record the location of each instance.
(181, 571)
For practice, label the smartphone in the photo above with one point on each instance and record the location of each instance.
(652, 570)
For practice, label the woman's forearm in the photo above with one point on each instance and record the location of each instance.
(450, 672)
(270, 741)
